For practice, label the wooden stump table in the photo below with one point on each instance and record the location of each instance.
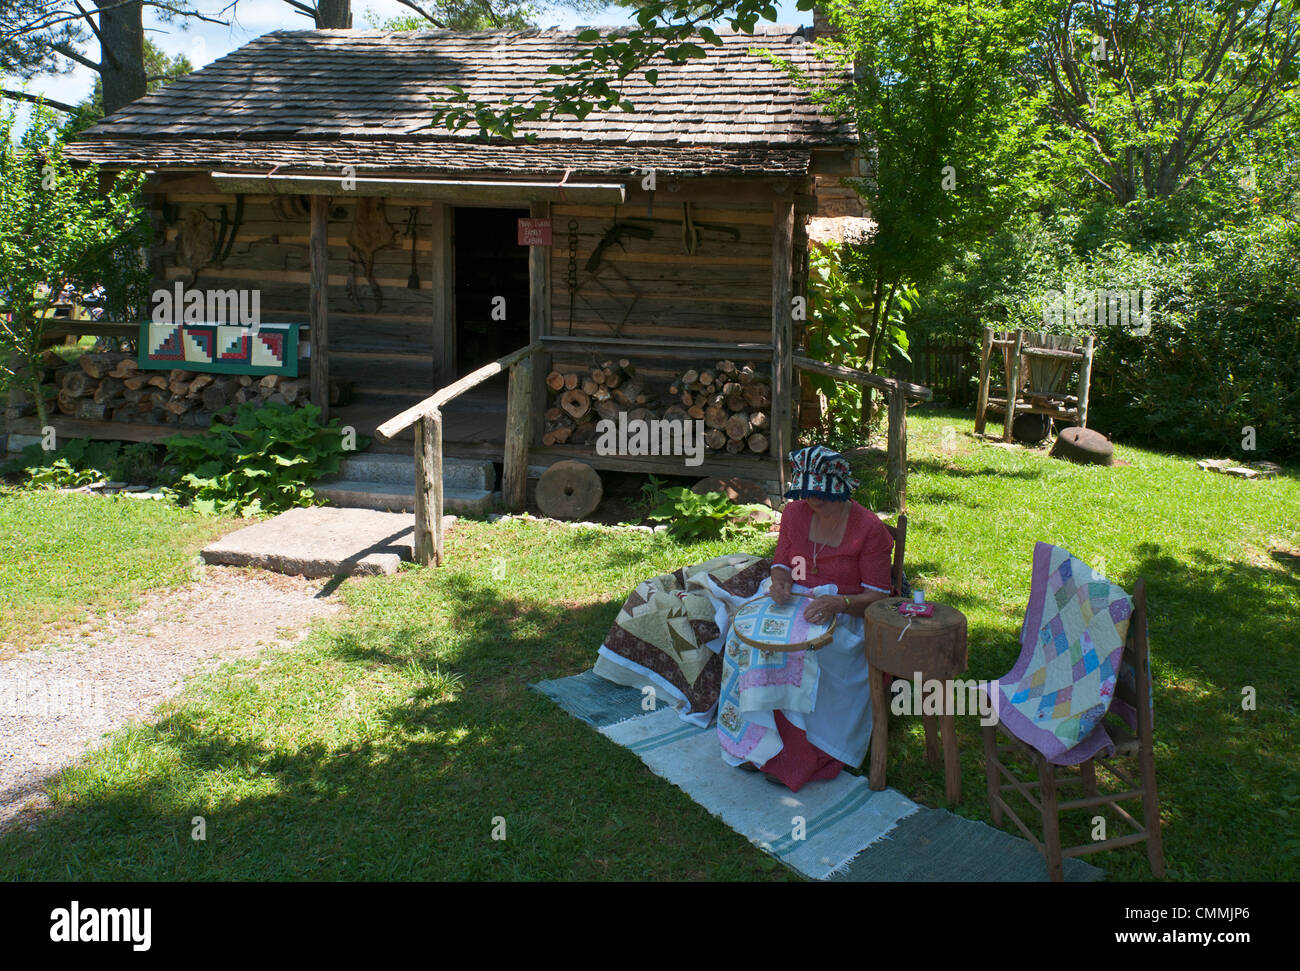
(933, 648)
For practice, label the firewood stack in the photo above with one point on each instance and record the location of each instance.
(578, 400)
(111, 387)
(733, 402)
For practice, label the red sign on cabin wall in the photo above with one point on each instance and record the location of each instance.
(534, 232)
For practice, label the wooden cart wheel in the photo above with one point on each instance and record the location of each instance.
(569, 490)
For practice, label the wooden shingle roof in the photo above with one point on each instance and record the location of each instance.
(328, 97)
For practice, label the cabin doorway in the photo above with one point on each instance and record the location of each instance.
(492, 317)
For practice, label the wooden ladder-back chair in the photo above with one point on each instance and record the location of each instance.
(1133, 688)
(1037, 368)
(899, 532)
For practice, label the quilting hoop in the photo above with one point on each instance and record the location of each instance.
(811, 644)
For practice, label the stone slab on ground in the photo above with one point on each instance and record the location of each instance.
(322, 541)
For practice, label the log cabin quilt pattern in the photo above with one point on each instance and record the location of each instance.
(220, 348)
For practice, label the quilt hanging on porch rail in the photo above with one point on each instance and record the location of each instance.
(220, 348)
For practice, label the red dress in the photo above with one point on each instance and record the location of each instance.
(863, 559)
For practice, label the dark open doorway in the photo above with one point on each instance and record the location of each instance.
(491, 283)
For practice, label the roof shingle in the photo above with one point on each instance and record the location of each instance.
(365, 96)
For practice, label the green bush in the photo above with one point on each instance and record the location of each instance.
(692, 517)
(1223, 352)
(82, 461)
(263, 463)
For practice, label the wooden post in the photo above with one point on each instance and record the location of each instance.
(428, 489)
(519, 415)
(986, 356)
(442, 277)
(1051, 820)
(539, 319)
(879, 727)
(1085, 378)
(897, 454)
(318, 305)
(991, 777)
(1013, 379)
(782, 333)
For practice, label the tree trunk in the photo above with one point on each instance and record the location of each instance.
(333, 14)
(122, 53)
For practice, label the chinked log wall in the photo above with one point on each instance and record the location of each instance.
(653, 289)
(272, 254)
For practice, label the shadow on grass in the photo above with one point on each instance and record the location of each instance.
(418, 795)
(936, 467)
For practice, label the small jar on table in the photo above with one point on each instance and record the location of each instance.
(933, 648)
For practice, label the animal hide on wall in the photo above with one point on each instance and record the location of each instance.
(370, 233)
(196, 246)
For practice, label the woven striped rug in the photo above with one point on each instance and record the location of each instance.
(838, 830)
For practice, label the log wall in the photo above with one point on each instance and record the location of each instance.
(644, 289)
(379, 349)
(653, 289)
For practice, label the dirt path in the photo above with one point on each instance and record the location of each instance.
(58, 700)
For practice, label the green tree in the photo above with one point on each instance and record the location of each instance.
(949, 141)
(56, 229)
(160, 70)
(1150, 97)
(44, 37)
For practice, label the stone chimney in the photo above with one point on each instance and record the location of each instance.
(821, 24)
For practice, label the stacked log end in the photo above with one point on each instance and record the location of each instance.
(111, 387)
(734, 402)
(580, 399)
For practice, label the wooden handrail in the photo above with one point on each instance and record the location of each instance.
(403, 420)
(917, 391)
(427, 419)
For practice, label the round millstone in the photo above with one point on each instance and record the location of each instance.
(569, 490)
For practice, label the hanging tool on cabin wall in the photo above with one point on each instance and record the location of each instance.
(412, 228)
(615, 235)
(370, 233)
(571, 277)
(199, 245)
(229, 230)
(196, 243)
(634, 227)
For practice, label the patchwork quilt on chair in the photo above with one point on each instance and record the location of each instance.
(1072, 643)
(220, 348)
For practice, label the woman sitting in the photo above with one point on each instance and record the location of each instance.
(826, 539)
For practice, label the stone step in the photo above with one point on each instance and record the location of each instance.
(395, 497)
(400, 469)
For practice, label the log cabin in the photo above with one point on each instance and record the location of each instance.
(423, 265)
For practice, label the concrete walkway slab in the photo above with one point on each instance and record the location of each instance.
(322, 541)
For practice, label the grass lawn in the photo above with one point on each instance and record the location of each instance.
(67, 556)
(387, 744)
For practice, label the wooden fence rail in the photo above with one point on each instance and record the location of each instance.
(896, 393)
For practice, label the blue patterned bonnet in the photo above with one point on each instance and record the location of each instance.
(817, 472)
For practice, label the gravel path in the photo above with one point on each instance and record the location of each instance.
(58, 700)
